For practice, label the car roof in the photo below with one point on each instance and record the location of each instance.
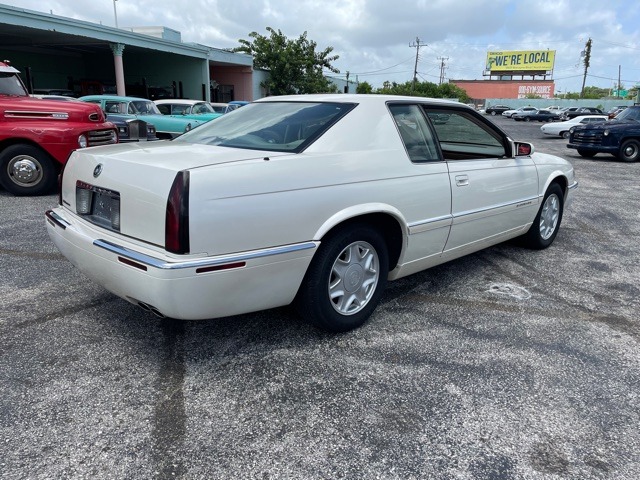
(113, 97)
(358, 98)
(580, 117)
(178, 101)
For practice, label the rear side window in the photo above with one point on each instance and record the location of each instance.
(112, 107)
(463, 136)
(415, 132)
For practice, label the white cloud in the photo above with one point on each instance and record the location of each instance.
(374, 35)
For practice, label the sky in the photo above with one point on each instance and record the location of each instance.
(376, 39)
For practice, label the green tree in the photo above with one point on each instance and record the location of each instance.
(295, 66)
(364, 87)
(425, 89)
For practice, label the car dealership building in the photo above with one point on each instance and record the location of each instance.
(54, 52)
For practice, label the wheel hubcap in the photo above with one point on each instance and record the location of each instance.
(630, 151)
(24, 170)
(549, 216)
(354, 277)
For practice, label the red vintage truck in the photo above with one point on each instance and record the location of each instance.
(37, 136)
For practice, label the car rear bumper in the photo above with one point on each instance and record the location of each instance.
(192, 288)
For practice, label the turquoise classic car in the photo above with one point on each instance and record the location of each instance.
(167, 126)
(180, 107)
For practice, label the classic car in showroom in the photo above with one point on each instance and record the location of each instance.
(194, 109)
(315, 200)
(167, 126)
(132, 129)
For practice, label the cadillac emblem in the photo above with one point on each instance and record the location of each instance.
(97, 171)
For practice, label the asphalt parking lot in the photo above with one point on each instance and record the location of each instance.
(508, 363)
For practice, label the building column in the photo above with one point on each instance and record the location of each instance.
(117, 49)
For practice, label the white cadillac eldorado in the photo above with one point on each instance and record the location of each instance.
(317, 200)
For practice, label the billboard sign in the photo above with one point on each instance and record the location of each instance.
(521, 61)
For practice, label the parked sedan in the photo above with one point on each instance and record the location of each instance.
(292, 199)
(562, 128)
(143, 109)
(569, 114)
(496, 109)
(510, 113)
(536, 116)
(194, 109)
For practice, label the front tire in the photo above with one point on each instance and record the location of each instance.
(565, 134)
(493, 113)
(586, 153)
(345, 280)
(26, 170)
(545, 227)
(630, 151)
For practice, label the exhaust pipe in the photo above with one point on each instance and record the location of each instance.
(151, 308)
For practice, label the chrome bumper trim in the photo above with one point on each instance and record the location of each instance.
(56, 219)
(199, 263)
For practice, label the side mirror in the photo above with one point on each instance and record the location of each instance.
(523, 149)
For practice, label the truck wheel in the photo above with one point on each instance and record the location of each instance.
(345, 280)
(630, 151)
(586, 153)
(26, 170)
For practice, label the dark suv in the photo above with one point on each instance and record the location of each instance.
(620, 137)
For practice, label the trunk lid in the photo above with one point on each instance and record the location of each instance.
(140, 176)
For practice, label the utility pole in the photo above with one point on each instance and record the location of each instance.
(587, 57)
(415, 45)
(115, 14)
(442, 65)
(619, 85)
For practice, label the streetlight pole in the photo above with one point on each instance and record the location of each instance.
(115, 14)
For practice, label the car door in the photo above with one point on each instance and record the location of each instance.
(427, 191)
(493, 194)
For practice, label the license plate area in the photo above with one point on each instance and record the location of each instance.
(98, 205)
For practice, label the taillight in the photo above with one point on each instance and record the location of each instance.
(176, 233)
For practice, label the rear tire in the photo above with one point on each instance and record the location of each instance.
(345, 280)
(27, 170)
(565, 134)
(630, 151)
(545, 227)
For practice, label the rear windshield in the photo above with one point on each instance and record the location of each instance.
(277, 126)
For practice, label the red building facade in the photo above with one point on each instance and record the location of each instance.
(483, 89)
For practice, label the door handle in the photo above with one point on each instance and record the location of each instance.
(462, 180)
